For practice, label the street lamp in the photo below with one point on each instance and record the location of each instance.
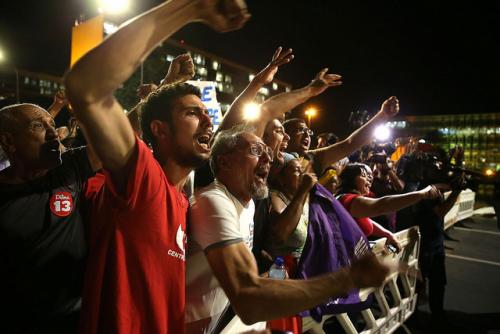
(2, 59)
(310, 113)
(113, 7)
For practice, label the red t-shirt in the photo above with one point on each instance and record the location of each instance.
(364, 223)
(135, 277)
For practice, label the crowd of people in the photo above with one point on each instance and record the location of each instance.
(98, 234)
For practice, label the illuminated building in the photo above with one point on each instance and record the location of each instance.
(477, 134)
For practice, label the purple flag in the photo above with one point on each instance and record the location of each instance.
(333, 240)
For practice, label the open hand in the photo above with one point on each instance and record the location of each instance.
(279, 58)
(323, 80)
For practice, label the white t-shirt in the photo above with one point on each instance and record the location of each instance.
(217, 219)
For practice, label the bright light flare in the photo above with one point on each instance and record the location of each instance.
(2, 56)
(489, 172)
(251, 111)
(113, 7)
(382, 133)
(311, 112)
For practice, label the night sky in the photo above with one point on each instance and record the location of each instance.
(437, 58)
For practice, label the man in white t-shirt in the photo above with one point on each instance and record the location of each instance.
(220, 265)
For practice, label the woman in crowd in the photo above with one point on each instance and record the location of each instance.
(289, 211)
(355, 183)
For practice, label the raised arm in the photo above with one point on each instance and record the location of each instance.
(371, 207)
(91, 82)
(331, 154)
(257, 299)
(60, 102)
(283, 218)
(234, 115)
(181, 69)
(277, 105)
(442, 209)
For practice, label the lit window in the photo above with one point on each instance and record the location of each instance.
(215, 65)
(275, 86)
(202, 71)
(250, 77)
(264, 91)
(199, 59)
(228, 88)
(220, 86)
(219, 77)
(228, 79)
(26, 80)
(170, 57)
(287, 89)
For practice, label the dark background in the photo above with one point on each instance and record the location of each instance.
(437, 58)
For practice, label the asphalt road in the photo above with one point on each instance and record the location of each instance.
(472, 297)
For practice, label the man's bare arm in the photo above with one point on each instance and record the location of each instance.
(91, 82)
(60, 102)
(234, 115)
(333, 153)
(277, 105)
(257, 299)
(442, 209)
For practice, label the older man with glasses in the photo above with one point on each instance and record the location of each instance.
(220, 266)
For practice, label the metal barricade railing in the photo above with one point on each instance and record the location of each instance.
(395, 300)
(463, 208)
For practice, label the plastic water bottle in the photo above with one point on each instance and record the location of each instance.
(288, 325)
(278, 270)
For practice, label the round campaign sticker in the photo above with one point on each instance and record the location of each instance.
(61, 203)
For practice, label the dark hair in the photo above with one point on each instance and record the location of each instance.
(292, 122)
(330, 138)
(158, 106)
(348, 177)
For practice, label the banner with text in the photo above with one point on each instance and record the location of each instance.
(209, 99)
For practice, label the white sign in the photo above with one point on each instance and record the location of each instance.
(209, 99)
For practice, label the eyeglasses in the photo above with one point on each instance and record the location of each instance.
(304, 131)
(258, 149)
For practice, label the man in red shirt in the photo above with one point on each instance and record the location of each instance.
(135, 274)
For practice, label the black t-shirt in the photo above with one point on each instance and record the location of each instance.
(42, 245)
(431, 227)
(260, 231)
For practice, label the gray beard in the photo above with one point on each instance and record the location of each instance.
(259, 192)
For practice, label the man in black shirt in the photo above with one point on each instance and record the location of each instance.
(42, 239)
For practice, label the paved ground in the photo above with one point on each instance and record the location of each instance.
(472, 296)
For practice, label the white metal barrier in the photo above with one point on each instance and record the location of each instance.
(463, 208)
(395, 300)
(390, 313)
